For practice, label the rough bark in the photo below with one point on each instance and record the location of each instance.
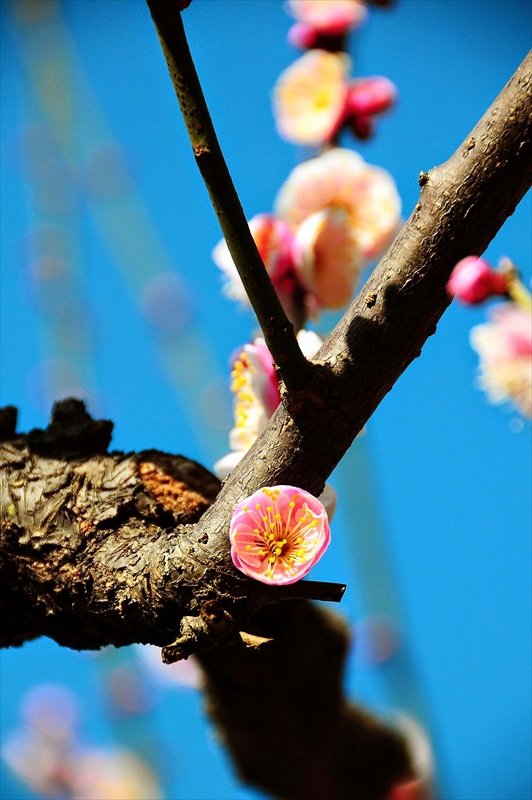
(102, 548)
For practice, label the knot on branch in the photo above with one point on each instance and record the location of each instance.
(71, 433)
(177, 483)
(322, 391)
(213, 626)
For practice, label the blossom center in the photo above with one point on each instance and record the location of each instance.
(282, 540)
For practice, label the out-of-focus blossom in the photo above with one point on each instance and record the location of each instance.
(310, 97)
(360, 212)
(326, 255)
(273, 238)
(504, 345)
(278, 534)
(99, 774)
(167, 303)
(474, 280)
(334, 215)
(421, 760)
(256, 389)
(39, 751)
(323, 18)
(45, 753)
(367, 98)
(376, 640)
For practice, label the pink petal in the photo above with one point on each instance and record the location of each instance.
(326, 256)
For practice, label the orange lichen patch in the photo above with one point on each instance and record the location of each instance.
(173, 494)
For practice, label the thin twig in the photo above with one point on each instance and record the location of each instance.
(278, 331)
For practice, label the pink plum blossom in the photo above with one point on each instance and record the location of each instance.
(334, 215)
(256, 389)
(474, 280)
(326, 254)
(504, 345)
(255, 386)
(369, 96)
(278, 534)
(327, 17)
(310, 97)
(358, 213)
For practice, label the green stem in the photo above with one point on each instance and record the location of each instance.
(278, 331)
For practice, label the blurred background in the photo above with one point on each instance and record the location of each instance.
(109, 293)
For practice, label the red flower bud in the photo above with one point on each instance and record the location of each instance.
(474, 280)
(371, 96)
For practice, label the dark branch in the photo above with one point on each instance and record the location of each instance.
(278, 331)
(284, 717)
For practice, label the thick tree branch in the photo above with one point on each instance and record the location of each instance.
(101, 548)
(278, 331)
(284, 717)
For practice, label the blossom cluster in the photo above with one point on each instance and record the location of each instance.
(314, 99)
(47, 754)
(334, 215)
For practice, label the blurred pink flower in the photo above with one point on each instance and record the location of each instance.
(474, 280)
(323, 17)
(255, 386)
(326, 255)
(310, 97)
(344, 213)
(504, 345)
(278, 534)
(273, 238)
(368, 97)
(256, 389)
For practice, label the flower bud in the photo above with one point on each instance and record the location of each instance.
(474, 280)
(371, 96)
